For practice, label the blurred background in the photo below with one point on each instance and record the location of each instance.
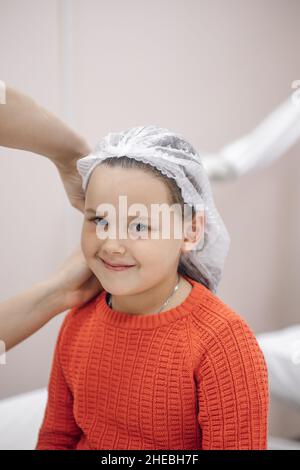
(209, 69)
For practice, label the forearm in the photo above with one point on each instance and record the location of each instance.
(25, 313)
(24, 124)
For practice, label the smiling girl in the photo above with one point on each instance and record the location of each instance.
(157, 360)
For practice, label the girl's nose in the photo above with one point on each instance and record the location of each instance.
(113, 246)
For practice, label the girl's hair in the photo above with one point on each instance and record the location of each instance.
(175, 195)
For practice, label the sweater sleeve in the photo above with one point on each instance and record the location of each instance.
(59, 430)
(232, 391)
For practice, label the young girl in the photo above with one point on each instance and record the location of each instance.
(156, 360)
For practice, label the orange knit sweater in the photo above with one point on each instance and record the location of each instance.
(192, 377)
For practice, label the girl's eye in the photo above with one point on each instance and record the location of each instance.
(141, 225)
(98, 219)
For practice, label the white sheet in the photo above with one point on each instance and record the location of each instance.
(20, 419)
(281, 349)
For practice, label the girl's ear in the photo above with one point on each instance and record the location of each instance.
(193, 231)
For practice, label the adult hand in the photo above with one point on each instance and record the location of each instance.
(72, 182)
(76, 282)
(71, 285)
(26, 125)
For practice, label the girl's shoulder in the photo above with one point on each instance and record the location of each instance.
(214, 311)
(215, 326)
(210, 307)
(77, 318)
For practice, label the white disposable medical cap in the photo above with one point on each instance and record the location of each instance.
(175, 158)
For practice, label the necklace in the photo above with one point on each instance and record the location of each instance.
(166, 302)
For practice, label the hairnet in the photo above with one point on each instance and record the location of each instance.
(175, 158)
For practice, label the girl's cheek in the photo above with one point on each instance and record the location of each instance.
(89, 240)
(89, 229)
(147, 250)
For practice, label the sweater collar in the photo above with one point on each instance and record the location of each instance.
(151, 320)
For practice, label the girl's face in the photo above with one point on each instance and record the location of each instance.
(154, 258)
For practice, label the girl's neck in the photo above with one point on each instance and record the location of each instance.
(151, 301)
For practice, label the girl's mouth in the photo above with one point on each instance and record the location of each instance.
(116, 268)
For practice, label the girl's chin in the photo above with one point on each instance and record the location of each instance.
(116, 285)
